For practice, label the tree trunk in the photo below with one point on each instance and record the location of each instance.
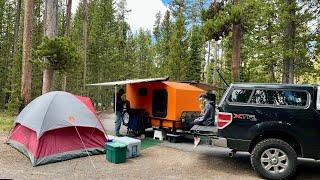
(26, 54)
(50, 30)
(64, 81)
(215, 64)
(272, 63)
(67, 35)
(68, 19)
(236, 38)
(47, 80)
(208, 61)
(16, 29)
(15, 42)
(289, 43)
(85, 43)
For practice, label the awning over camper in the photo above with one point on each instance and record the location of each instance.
(130, 81)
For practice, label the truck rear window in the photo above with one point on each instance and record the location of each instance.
(240, 95)
(273, 97)
(280, 97)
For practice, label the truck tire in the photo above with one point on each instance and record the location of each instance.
(274, 159)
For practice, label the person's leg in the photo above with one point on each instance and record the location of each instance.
(118, 123)
(195, 122)
(196, 137)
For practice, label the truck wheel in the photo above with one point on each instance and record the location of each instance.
(274, 159)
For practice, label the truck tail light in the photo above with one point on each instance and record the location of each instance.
(224, 119)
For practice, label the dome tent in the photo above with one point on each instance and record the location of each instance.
(57, 126)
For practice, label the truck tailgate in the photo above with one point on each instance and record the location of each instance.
(204, 130)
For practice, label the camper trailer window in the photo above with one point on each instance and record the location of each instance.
(142, 91)
(159, 103)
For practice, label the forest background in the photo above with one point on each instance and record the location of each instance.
(45, 47)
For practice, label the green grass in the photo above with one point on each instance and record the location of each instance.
(149, 142)
(6, 122)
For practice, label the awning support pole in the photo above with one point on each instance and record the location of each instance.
(115, 98)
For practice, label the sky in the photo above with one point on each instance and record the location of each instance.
(143, 12)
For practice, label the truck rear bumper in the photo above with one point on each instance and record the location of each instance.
(237, 144)
(220, 142)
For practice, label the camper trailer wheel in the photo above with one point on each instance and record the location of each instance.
(125, 117)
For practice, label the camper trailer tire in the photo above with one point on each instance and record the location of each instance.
(125, 117)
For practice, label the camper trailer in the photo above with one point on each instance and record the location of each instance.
(165, 102)
(161, 104)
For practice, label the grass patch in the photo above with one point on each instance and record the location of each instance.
(149, 142)
(6, 121)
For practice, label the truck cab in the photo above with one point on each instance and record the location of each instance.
(276, 123)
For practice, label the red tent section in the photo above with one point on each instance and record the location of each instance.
(87, 101)
(72, 137)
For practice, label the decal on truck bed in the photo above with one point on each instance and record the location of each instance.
(245, 117)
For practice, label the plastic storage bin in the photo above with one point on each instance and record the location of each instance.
(133, 145)
(116, 152)
(110, 138)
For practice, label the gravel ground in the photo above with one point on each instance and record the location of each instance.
(166, 161)
(157, 162)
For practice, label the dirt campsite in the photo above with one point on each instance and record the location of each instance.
(160, 89)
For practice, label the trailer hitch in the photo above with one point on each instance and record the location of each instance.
(232, 153)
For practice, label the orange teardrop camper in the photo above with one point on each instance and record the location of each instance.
(164, 101)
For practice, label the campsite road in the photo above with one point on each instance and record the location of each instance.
(167, 161)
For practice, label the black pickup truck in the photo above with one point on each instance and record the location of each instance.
(275, 123)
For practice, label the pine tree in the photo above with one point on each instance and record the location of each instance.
(144, 54)
(289, 41)
(157, 44)
(166, 28)
(85, 44)
(27, 43)
(66, 34)
(37, 37)
(193, 66)
(51, 31)
(14, 80)
(178, 55)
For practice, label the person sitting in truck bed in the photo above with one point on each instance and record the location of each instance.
(208, 117)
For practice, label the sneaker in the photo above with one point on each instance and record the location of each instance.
(196, 142)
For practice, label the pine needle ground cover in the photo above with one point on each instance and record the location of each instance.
(6, 122)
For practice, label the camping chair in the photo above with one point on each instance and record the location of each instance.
(137, 122)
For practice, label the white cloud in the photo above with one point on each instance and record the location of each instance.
(142, 15)
(75, 4)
